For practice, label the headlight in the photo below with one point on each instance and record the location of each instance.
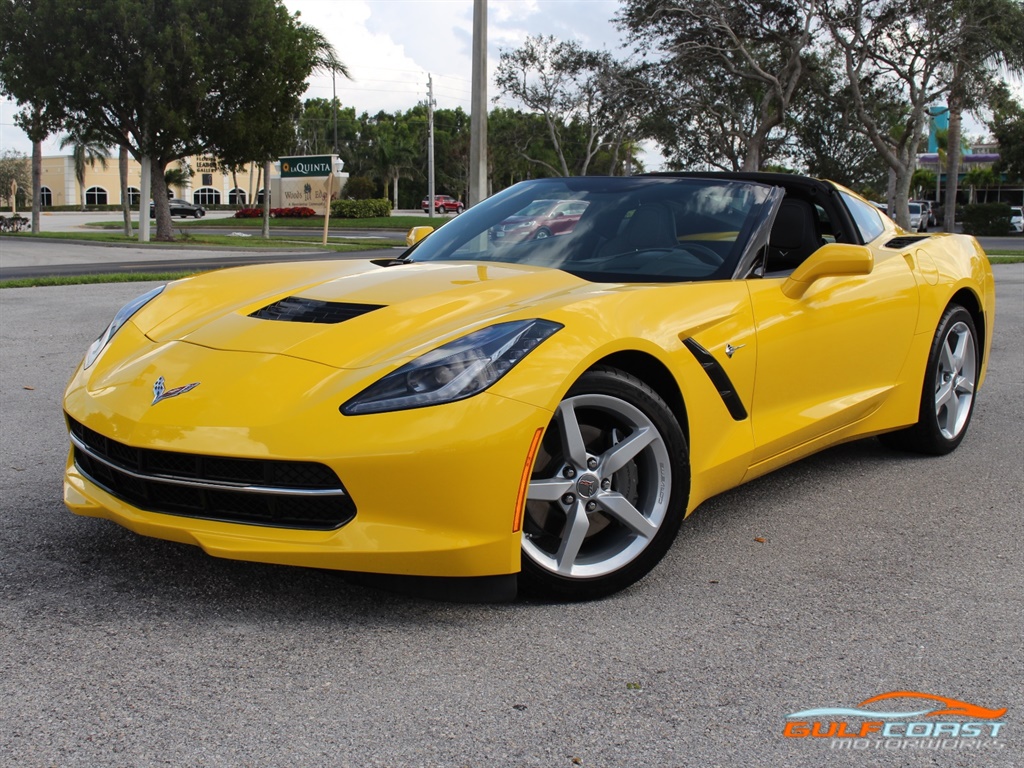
(122, 316)
(458, 370)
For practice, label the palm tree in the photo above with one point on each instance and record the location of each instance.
(87, 150)
(979, 177)
(395, 156)
(177, 177)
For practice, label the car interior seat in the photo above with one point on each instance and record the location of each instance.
(795, 235)
(652, 225)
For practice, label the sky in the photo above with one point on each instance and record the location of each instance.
(390, 47)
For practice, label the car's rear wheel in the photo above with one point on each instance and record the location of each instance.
(947, 398)
(608, 491)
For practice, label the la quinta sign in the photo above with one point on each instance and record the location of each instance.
(318, 166)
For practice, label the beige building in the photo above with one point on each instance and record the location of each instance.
(206, 185)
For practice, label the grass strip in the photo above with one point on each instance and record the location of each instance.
(189, 240)
(314, 222)
(113, 277)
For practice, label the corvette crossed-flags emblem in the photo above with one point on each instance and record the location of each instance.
(160, 392)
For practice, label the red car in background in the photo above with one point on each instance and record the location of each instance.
(540, 219)
(443, 204)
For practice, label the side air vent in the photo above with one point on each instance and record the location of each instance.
(296, 309)
(905, 241)
(719, 378)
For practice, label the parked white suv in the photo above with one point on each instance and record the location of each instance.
(918, 217)
(1017, 219)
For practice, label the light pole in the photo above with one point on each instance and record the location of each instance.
(430, 146)
(478, 116)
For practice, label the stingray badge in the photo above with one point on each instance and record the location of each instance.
(160, 392)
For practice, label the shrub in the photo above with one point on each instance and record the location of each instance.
(360, 209)
(987, 219)
(249, 213)
(360, 188)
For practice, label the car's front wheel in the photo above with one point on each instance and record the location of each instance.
(608, 491)
(947, 397)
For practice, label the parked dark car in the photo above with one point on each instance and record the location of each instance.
(181, 208)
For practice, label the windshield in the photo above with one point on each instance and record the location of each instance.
(611, 229)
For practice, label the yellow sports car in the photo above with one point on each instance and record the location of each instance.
(541, 414)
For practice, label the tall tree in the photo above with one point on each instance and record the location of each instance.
(17, 168)
(825, 137)
(1007, 126)
(982, 36)
(891, 49)
(176, 79)
(727, 76)
(395, 150)
(38, 120)
(569, 87)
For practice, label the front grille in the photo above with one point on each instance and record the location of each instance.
(284, 494)
(296, 309)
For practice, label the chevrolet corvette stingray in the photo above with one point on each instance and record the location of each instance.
(540, 414)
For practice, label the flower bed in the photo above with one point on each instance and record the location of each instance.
(295, 212)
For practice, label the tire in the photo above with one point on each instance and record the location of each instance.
(947, 397)
(459, 209)
(196, 214)
(542, 233)
(608, 491)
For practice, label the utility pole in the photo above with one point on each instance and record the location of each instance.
(430, 146)
(334, 110)
(478, 118)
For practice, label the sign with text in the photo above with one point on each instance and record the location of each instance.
(304, 192)
(318, 166)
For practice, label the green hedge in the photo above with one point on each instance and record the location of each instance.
(987, 219)
(360, 209)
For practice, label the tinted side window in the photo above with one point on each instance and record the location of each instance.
(867, 218)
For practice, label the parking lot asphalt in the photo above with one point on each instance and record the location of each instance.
(850, 574)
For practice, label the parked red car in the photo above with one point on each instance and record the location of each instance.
(443, 204)
(540, 219)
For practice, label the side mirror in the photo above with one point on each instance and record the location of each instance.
(416, 234)
(831, 260)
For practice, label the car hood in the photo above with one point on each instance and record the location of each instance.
(352, 315)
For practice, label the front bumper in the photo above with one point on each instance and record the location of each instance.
(435, 489)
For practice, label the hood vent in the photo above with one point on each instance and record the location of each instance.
(296, 309)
